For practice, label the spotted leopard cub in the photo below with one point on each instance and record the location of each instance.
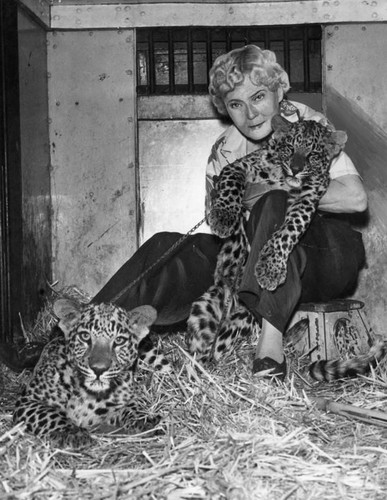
(85, 378)
(296, 159)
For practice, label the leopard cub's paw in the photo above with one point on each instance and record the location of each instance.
(223, 221)
(76, 437)
(270, 270)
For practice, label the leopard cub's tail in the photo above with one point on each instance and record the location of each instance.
(329, 370)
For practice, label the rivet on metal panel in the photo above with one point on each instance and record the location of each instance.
(326, 4)
(130, 119)
(314, 10)
(119, 32)
(91, 33)
(374, 3)
(128, 39)
(358, 97)
(374, 15)
(78, 21)
(142, 13)
(327, 16)
(231, 11)
(57, 103)
(329, 34)
(129, 72)
(131, 165)
(127, 8)
(118, 9)
(56, 17)
(364, 28)
(78, 11)
(329, 67)
(337, 3)
(337, 28)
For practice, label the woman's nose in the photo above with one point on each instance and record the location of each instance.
(252, 112)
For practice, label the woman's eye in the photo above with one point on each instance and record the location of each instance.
(258, 97)
(120, 340)
(234, 105)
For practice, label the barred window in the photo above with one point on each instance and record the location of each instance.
(177, 60)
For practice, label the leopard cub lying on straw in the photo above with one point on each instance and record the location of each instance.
(85, 378)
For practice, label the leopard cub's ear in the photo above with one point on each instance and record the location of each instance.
(68, 312)
(280, 126)
(338, 140)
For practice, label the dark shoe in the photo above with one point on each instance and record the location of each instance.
(269, 368)
(19, 359)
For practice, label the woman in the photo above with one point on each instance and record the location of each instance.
(249, 86)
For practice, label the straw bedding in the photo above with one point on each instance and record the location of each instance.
(225, 434)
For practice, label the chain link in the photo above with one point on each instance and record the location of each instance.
(162, 257)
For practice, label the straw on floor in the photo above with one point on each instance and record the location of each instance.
(225, 434)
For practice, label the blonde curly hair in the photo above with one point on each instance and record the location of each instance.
(229, 70)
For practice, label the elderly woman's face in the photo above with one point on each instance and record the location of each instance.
(251, 108)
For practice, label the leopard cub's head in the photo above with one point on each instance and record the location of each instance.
(304, 148)
(102, 340)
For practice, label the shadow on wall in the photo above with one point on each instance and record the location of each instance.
(367, 147)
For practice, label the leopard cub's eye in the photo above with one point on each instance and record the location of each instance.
(84, 336)
(121, 340)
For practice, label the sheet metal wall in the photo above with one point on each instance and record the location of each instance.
(356, 90)
(35, 165)
(92, 136)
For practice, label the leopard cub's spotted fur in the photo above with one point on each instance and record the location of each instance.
(85, 378)
(297, 159)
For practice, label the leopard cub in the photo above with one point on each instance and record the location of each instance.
(85, 378)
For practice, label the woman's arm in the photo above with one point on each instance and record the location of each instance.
(345, 194)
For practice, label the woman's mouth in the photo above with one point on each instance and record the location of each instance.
(255, 127)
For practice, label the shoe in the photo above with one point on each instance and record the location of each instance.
(19, 359)
(269, 368)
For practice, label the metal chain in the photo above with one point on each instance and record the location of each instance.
(162, 257)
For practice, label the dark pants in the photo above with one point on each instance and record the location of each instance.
(324, 266)
(173, 284)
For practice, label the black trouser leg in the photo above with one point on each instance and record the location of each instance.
(174, 284)
(323, 266)
(277, 306)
